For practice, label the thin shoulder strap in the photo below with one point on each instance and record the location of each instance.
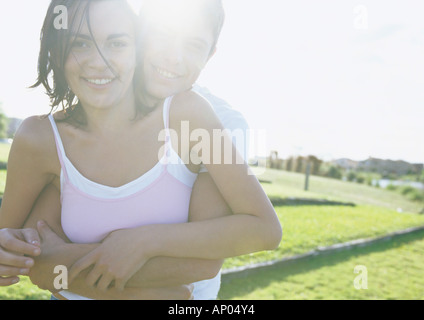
(59, 145)
(166, 108)
(166, 111)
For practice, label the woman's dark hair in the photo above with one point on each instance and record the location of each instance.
(55, 47)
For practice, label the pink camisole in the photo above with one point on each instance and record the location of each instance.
(90, 211)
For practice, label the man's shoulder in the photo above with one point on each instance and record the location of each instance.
(217, 103)
(230, 117)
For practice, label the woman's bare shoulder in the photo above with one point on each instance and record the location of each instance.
(35, 134)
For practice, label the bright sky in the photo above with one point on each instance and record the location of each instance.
(330, 78)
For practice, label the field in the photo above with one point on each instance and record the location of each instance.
(4, 154)
(394, 267)
(394, 271)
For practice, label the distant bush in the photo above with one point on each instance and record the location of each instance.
(389, 176)
(416, 195)
(334, 172)
(407, 190)
(351, 176)
(411, 193)
(360, 179)
(3, 165)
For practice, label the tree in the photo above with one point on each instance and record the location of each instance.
(334, 172)
(4, 123)
(316, 164)
(300, 164)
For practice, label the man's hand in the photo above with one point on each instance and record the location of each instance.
(15, 246)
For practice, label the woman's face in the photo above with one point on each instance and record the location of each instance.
(103, 82)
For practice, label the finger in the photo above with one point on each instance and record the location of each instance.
(81, 265)
(7, 271)
(104, 282)
(120, 284)
(14, 260)
(31, 236)
(8, 281)
(93, 277)
(12, 243)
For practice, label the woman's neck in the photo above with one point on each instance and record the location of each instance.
(148, 101)
(110, 120)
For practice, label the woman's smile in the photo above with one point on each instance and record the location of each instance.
(99, 83)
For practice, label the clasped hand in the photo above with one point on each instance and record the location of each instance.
(16, 248)
(114, 262)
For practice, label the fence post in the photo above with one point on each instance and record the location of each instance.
(308, 171)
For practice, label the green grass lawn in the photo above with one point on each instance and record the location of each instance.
(306, 228)
(24, 290)
(4, 151)
(394, 271)
(4, 155)
(291, 184)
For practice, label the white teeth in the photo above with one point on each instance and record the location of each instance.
(167, 74)
(99, 81)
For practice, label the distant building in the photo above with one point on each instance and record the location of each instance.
(346, 163)
(398, 167)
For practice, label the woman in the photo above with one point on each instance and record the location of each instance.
(105, 128)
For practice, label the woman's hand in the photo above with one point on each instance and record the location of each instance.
(42, 274)
(114, 262)
(15, 245)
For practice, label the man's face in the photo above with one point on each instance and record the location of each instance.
(175, 47)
